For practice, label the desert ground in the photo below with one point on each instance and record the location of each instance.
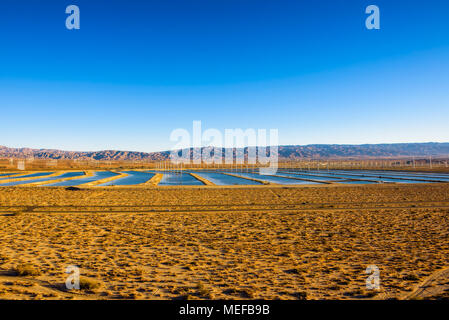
(267, 242)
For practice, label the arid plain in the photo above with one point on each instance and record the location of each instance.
(210, 242)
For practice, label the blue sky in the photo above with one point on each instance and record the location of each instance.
(136, 70)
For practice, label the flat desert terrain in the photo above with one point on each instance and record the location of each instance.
(268, 242)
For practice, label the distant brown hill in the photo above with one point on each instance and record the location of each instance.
(107, 155)
(317, 151)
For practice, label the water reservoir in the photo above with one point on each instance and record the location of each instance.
(134, 178)
(98, 175)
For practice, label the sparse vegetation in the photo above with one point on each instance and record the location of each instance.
(89, 284)
(301, 295)
(204, 292)
(234, 254)
(411, 277)
(26, 269)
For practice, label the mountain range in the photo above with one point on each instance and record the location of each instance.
(314, 151)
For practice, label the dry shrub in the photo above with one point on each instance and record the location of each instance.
(204, 292)
(410, 276)
(88, 284)
(26, 269)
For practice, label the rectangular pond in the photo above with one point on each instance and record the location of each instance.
(62, 176)
(178, 179)
(372, 175)
(410, 175)
(273, 179)
(10, 174)
(330, 177)
(388, 176)
(134, 178)
(221, 179)
(313, 177)
(31, 175)
(98, 175)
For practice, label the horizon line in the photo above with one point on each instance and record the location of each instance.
(283, 145)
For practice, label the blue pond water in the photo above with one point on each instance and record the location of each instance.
(98, 175)
(221, 179)
(411, 175)
(345, 180)
(135, 177)
(326, 177)
(355, 182)
(217, 177)
(31, 175)
(382, 176)
(9, 174)
(369, 175)
(62, 176)
(407, 173)
(431, 175)
(313, 177)
(178, 179)
(274, 179)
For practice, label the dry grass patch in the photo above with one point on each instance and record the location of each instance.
(299, 253)
(204, 292)
(89, 284)
(26, 269)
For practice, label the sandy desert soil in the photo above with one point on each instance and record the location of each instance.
(267, 242)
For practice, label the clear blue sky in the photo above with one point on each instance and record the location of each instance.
(136, 70)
